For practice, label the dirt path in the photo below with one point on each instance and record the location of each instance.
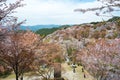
(68, 73)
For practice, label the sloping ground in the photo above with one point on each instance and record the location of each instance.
(67, 73)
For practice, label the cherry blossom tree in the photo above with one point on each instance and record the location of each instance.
(108, 6)
(102, 59)
(17, 51)
(49, 58)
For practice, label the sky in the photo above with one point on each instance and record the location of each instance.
(59, 12)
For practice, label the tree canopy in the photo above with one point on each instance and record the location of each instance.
(107, 7)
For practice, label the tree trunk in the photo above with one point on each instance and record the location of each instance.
(16, 74)
(57, 71)
(21, 77)
(16, 71)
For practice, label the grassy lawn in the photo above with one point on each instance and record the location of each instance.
(9, 77)
(67, 73)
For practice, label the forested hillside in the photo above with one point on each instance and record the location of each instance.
(46, 31)
(94, 46)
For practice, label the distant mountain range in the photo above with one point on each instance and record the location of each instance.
(37, 27)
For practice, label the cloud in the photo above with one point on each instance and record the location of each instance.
(56, 12)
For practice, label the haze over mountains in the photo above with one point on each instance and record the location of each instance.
(37, 27)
